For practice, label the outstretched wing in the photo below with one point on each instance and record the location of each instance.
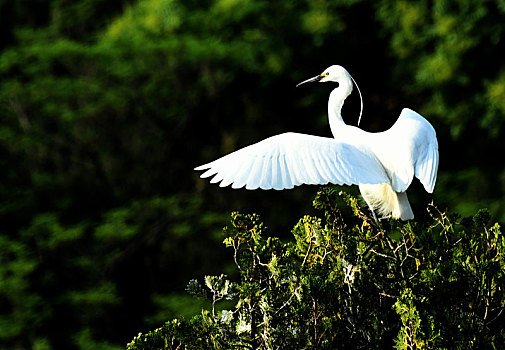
(409, 148)
(291, 159)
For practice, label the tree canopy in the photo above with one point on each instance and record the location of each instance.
(350, 282)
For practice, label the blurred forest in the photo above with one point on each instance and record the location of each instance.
(107, 106)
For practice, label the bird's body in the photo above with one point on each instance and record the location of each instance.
(383, 164)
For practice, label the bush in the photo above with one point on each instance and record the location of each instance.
(346, 281)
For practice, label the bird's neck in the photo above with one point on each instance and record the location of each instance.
(335, 103)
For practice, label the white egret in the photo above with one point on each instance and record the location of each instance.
(382, 164)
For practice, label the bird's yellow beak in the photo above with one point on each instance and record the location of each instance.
(317, 78)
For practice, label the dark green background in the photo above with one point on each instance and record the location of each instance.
(107, 106)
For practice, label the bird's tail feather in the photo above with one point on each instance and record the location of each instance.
(385, 201)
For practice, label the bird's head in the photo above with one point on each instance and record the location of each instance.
(333, 73)
(339, 75)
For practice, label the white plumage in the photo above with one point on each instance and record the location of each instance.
(383, 164)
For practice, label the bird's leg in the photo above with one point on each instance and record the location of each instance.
(371, 208)
(386, 217)
(373, 213)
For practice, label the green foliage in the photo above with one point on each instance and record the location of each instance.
(410, 335)
(77, 272)
(439, 42)
(346, 281)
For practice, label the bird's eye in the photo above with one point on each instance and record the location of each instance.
(326, 74)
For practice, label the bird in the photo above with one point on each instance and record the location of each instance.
(382, 164)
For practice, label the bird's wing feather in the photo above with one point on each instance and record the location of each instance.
(291, 159)
(409, 148)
